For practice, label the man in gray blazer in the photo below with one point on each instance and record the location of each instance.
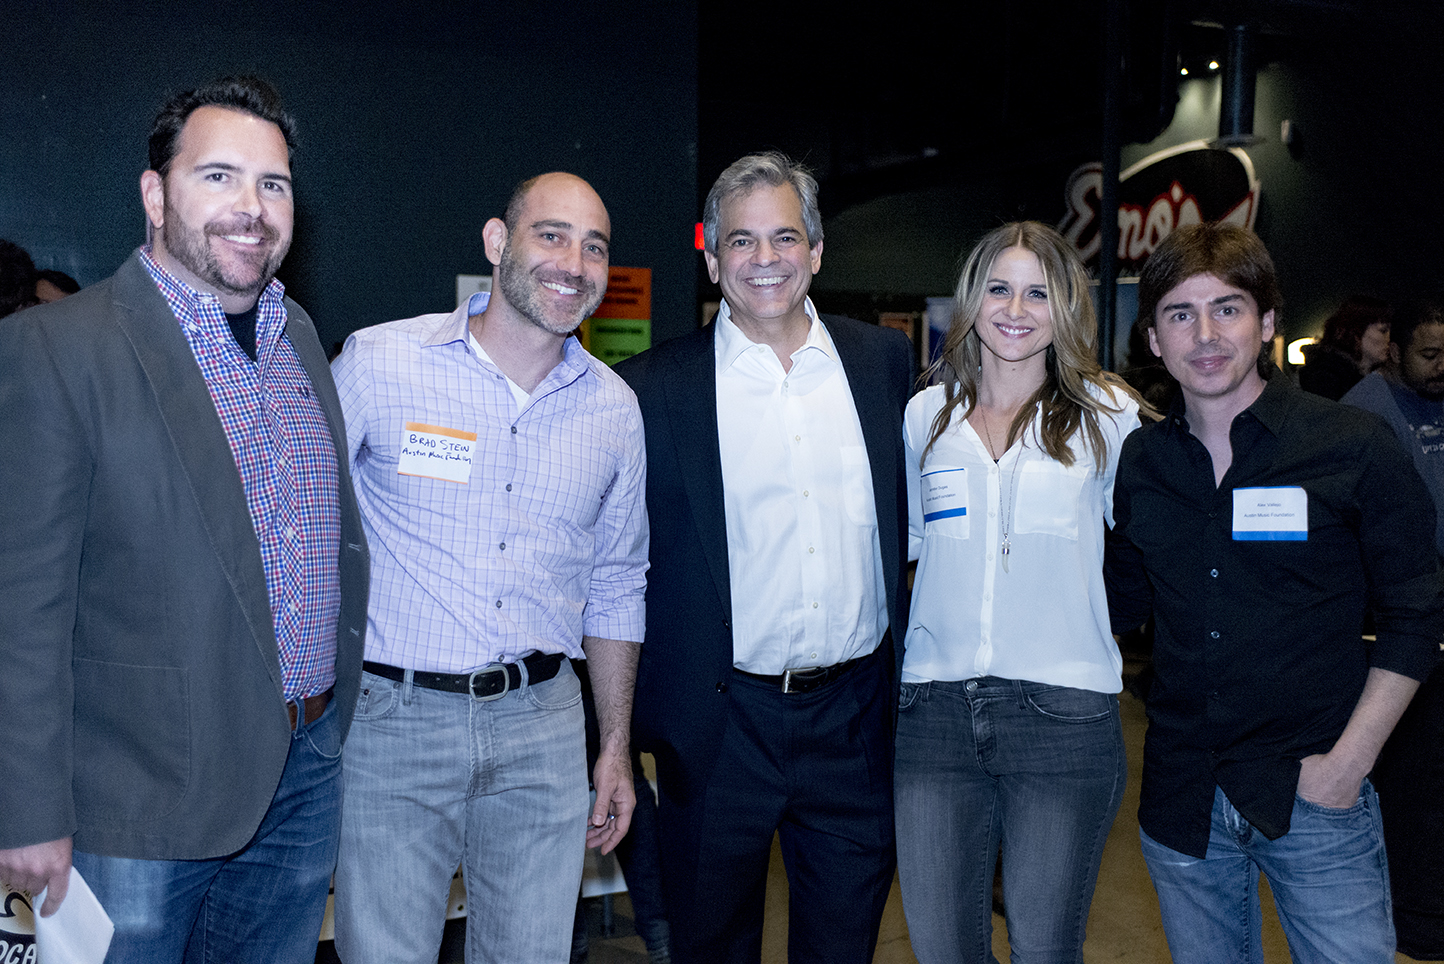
(183, 574)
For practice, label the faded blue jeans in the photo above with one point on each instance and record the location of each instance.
(982, 763)
(264, 903)
(1328, 874)
(434, 780)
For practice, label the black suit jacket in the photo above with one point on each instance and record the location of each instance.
(686, 665)
(140, 682)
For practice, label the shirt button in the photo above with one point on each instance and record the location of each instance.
(1214, 634)
(721, 687)
(1213, 573)
(812, 656)
(508, 486)
(814, 605)
(810, 550)
(513, 430)
(805, 493)
(498, 604)
(503, 545)
(797, 438)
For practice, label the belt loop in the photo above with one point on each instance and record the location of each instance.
(524, 671)
(406, 687)
(1018, 693)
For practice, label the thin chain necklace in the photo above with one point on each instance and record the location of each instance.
(1011, 490)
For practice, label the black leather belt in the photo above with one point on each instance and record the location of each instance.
(488, 683)
(806, 679)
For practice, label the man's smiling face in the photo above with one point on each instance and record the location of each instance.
(224, 210)
(763, 263)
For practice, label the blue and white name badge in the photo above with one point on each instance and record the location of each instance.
(945, 494)
(1274, 514)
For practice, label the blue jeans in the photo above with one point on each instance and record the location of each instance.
(264, 903)
(1328, 874)
(434, 780)
(982, 763)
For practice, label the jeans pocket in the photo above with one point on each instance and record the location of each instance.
(908, 694)
(1069, 705)
(557, 693)
(378, 697)
(1324, 811)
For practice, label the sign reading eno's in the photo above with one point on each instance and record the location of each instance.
(1187, 184)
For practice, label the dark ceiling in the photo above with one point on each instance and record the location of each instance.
(906, 95)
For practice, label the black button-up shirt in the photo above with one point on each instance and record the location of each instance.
(1258, 655)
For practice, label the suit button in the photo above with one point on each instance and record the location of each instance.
(722, 687)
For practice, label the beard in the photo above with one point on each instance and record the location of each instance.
(523, 291)
(247, 273)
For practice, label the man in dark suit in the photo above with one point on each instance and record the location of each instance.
(776, 496)
(183, 574)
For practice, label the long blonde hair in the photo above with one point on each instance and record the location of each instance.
(1071, 360)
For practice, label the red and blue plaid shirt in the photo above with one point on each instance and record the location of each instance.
(282, 445)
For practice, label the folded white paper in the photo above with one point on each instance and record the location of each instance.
(78, 933)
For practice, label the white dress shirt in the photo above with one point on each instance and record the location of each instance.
(1045, 617)
(802, 539)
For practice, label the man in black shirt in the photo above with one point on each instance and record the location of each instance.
(1258, 524)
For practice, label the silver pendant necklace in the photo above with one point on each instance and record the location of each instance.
(1012, 490)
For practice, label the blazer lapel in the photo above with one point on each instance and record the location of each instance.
(201, 448)
(882, 434)
(691, 391)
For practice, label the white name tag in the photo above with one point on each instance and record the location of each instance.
(945, 494)
(433, 452)
(1271, 514)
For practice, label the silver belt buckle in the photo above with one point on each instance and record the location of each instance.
(488, 697)
(800, 671)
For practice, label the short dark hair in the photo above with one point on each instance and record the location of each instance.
(516, 202)
(1230, 253)
(17, 278)
(770, 169)
(249, 94)
(60, 279)
(1409, 317)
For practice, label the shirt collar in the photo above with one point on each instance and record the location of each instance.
(176, 290)
(456, 327)
(731, 342)
(1271, 408)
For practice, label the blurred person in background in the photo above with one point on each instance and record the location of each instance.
(1355, 342)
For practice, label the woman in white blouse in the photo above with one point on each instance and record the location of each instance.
(1008, 730)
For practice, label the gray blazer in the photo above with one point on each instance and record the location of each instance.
(141, 706)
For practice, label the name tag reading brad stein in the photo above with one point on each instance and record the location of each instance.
(433, 452)
(1271, 514)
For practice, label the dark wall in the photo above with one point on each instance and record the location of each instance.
(414, 127)
(1353, 206)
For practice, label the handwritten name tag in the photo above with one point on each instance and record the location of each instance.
(945, 494)
(433, 452)
(1276, 514)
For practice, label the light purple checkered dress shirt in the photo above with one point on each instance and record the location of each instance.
(545, 542)
(283, 449)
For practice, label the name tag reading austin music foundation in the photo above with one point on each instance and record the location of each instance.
(433, 452)
(945, 494)
(1273, 514)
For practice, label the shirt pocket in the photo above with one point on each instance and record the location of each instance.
(944, 493)
(1049, 499)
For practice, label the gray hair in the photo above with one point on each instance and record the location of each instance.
(773, 169)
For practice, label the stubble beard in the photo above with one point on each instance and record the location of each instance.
(523, 292)
(192, 248)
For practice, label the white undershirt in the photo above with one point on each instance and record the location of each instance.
(802, 540)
